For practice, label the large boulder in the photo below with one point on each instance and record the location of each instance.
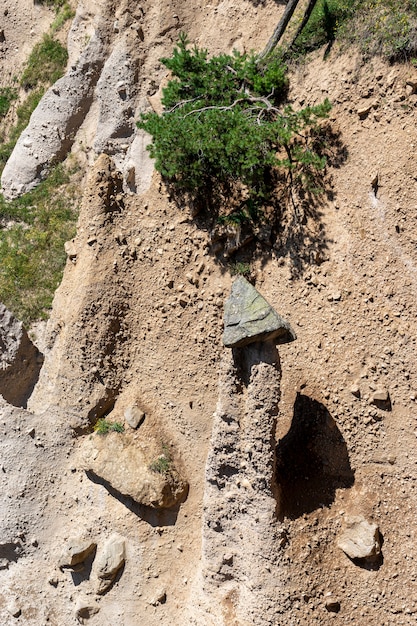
(249, 318)
(135, 468)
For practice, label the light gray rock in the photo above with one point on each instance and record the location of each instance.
(360, 539)
(54, 123)
(381, 399)
(332, 604)
(115, 92)
(355, 390)
(14, 608)
(76, 551)
(109, 561)
(138, 166)
(249, 318)
(159, 598)
(134, 416)
(20, 360)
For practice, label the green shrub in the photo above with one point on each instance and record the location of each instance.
(103, 427)
(46, 63)
(224, 128)
(377, 27)
(385, 27)
(53, 4)
(63, 13)
(326, 21)
(239, 268)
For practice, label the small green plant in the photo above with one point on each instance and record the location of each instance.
(7, 95)
(103, 427)
(46, 63)
(162, 465)
(64, 13)
(240, 268)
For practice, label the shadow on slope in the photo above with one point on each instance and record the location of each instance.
(290, 225)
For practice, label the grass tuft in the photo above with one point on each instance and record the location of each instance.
(162, 465)
(33, 230)
(103, 427)
(46, 63)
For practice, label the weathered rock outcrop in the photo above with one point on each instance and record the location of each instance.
(241, 534)
(20, 360)
(134, 468)
(115, 93)
(54, 123)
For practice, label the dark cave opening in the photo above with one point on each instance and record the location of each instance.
(312, 460)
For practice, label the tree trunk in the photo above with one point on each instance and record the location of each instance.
(280, 29)
(308, 12)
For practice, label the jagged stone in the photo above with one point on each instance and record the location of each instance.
(76, 551)
(360, 539)
(20, 360)
(332, 604)
(381, 399)
(109, 561)
(134, 416)
(249, 318)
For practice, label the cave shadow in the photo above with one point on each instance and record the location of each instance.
(312, 460)
(154, 517)
(82, 572)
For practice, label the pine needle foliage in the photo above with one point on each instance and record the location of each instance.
(225, 127)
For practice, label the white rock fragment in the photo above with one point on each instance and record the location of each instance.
(134, 416)
(110, 560)
(360, 539)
